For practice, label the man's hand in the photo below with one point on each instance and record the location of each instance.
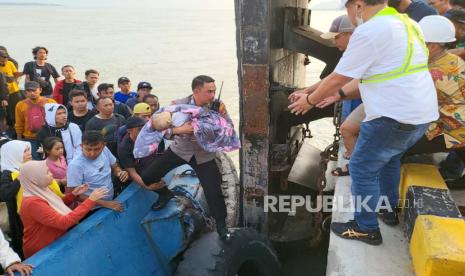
(79, 190)
(186, 128)
(4, 103)
(22, 269)
(293, 97)
(222, 109)
(328, 101)
(123, 175)
(156, 186)
(300, 105)
(113, 204)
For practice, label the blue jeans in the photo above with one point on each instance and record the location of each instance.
(348, 106)
(375, 165)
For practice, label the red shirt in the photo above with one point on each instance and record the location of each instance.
(43, 225)
(57, 94)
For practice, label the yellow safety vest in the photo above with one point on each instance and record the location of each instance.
(407, 68)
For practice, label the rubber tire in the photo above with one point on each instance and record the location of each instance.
(230, 187)
(210, 256)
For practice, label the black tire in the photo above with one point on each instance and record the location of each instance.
(231, 188)
(245, 253)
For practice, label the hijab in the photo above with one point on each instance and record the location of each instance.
(35, 179)
(12, 155)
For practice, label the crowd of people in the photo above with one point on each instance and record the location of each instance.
(401, 80)
(67, 149)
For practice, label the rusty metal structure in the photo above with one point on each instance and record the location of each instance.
(273, 39)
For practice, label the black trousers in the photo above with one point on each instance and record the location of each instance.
(208, 174)
(437, 144)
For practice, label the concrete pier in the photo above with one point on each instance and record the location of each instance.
(354, 258)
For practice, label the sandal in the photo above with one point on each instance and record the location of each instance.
(339, 172)
(346, 156)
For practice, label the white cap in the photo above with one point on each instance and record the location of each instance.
(437, 29)
(341, 24)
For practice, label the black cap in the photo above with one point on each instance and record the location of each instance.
(31, 85)
(456, 15)
(104, 86)
(123, 80)
(144, 84)
(134, 122)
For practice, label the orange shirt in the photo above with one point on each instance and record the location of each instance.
(21, 123)
(43, 225)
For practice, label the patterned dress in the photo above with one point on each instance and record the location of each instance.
(213, 132)
(448, 72)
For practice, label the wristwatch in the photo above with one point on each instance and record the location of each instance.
(342, 95)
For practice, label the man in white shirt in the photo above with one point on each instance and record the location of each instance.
(390, 68)
(10, 261)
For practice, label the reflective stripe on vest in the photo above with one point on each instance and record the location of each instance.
(407, 68)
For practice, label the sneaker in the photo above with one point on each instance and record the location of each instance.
(351, 231)
(390, 218)
(164, 196)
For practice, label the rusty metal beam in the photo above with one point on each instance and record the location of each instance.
(261, 61)
(253, 38)
(301, 38)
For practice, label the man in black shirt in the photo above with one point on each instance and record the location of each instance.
(90, 87)
(106, 90)
(41, 71)
(126, 156)
(79, 113)
(107, 123)
(63, 87)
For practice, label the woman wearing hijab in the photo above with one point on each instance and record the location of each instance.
(46, 216)
(57, 125)
(13, 154)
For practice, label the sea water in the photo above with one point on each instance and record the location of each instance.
(166, 44)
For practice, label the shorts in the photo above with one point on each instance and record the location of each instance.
(357, 115)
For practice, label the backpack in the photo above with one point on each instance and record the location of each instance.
(35, 114)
